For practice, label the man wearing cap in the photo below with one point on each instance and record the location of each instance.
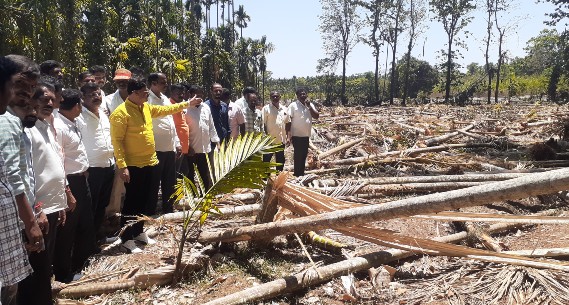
(113, 100)
(75, 241)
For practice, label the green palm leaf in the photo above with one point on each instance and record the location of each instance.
(237, 164)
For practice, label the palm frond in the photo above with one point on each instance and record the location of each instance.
(237, 164)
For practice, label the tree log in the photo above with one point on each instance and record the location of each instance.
(523, 187)
(416, 129)
(443, 138)
(408, 152)
(538, 253)
(484, 237)
(300, 281)
(339, 148)
(424, 179)
(472, 135)
(159, 276)
(267, 213)
(228, 211)
(394, 189)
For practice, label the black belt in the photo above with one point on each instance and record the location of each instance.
(78, 174)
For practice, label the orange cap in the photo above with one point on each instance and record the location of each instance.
(122, 74)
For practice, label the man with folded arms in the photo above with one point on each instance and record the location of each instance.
(135, 153)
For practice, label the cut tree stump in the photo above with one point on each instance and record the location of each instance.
(267, 213)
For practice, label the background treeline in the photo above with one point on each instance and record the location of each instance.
(392, 30)
(202, 41)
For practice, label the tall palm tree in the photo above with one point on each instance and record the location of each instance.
(242, 18)
(264, 48)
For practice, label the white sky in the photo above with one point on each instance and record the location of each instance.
(292, 27)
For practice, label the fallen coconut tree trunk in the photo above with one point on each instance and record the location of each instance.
(416, 129)
(448, 136)
(472, 135)
(407, 152)
(483, 236)
(314, 148)
(523, 187)
(245, 198)
(339, 148)
(159, 276)
(394, 189)
(325, 273)
(537, 253)
(228, 211)
(424, 179)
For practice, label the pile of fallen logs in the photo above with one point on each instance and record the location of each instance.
(397, 163)
(352, 220)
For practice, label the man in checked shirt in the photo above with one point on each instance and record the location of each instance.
(14, 265)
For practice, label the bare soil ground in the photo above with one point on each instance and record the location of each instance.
(417, 280)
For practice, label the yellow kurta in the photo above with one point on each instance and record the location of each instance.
(131, 132)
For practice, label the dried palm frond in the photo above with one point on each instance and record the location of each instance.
(387, 238)
(347, 188)
(496, 284)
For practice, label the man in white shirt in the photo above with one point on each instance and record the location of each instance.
(235, 114)
(275, 117)
(242, 101)
(95, 128)
(168, 146)
(75, 241)
(202, 135)
(298, 130)
(50, 190)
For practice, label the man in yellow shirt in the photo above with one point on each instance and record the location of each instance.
(133, 141)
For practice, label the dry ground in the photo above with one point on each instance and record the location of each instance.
(418, 280)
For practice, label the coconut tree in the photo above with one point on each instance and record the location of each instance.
(264, 48)
(242, 19)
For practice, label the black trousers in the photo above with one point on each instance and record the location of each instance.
(8, 295)
(167, 173)
(101, 185)
(182, 165)
(279, 158)
(141, 191)
(300, 145)
(76, 240)
(200, 161)
(36, 288)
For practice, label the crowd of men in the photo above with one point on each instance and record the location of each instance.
(69, 153)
